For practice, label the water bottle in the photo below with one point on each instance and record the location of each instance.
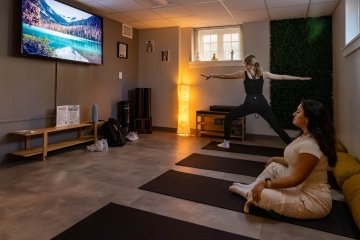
(95, 113)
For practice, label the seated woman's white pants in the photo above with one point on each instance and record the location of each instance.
(293, 202)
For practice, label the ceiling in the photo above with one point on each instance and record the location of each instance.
(144, 14)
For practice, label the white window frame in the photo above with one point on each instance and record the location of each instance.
(352, 26)
(217, 46)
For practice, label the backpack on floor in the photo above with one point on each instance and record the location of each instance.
(114, 133)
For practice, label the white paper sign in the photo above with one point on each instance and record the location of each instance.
(67, 114)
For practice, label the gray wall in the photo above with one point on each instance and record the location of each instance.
(346, 86)
(160, 76)
(31, 88)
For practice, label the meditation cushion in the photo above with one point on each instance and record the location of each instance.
(351, 191)
(346, 166)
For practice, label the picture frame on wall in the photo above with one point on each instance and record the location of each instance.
(149, 46)
(122, 50)
(165, 55)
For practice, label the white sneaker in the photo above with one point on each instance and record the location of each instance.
(99, 145)
(105, 144)
(224, 144)
(131, 137)
(91, 148)
(136, 135)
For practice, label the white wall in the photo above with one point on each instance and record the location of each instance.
(346, 86)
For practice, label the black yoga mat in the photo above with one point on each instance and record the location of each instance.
(247, 149)
(215, 192)
(234, 165)
(113, 222)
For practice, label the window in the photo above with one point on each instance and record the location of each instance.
(223, 43)
(352, 20)
(352, 27)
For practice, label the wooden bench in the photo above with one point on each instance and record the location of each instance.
(28, 150)
(212, 123)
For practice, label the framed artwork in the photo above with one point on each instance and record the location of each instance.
(122, 50)
(150, 46)
(165, 55)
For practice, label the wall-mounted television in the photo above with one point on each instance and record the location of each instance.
(52, 29)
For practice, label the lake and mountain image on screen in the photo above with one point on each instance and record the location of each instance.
(56, 30)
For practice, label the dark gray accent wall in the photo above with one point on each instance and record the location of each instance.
(30, 89)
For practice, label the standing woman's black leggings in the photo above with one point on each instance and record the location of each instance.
(255, 103)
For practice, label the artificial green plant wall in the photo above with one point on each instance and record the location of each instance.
(300, 47)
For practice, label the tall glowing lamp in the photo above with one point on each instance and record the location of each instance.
(183, 114)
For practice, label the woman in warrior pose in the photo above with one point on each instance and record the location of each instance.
(255, 102)
(296, 185)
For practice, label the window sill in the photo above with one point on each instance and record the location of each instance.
(229, 63)
(352, 46)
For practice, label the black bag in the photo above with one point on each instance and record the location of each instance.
(114, 133)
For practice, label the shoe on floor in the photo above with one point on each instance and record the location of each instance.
(105, 144)
(132, 136)
(224, 144)
(99, 146)
(91, 148)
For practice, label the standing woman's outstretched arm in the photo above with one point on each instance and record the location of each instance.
(236, 75)
(274, 76)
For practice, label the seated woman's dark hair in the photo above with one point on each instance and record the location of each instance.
(321, 128)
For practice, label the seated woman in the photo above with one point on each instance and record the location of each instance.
(295, 185)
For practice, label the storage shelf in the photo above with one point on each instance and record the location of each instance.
(54, 146)
(45, 133)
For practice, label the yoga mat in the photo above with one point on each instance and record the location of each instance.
(247, 149)
(113, 222)
(234, 165)
(215, 192)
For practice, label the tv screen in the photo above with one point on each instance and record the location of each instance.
(55, 30)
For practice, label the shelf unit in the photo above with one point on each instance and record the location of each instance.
(212, 123)
(45, 133)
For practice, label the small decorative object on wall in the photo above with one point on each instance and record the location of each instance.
(122, 50)
(127, 31)
(149, 46)
(165, 55)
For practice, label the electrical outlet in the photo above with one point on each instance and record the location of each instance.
(120, 75)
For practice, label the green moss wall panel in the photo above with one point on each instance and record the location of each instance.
(300, 47)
